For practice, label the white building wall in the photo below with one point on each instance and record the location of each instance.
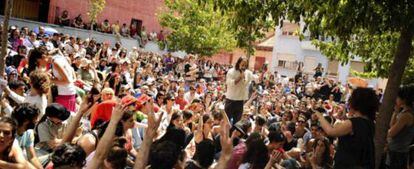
(292, 45)
(286, 44)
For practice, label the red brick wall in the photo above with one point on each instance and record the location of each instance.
(122, 10)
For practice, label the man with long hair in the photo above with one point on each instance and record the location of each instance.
(238, 80)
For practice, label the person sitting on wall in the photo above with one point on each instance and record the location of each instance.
(78, 23)
(106, 27)
(64, 20)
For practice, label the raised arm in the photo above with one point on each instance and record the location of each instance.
(199, 133)
(338, 130)
(226, 144)
(106, 140)
(74, 124)
(249, 102)
(151, 131)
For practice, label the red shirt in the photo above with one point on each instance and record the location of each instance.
(103, 111)
(182, 102)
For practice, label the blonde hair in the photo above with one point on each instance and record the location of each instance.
(107, 90)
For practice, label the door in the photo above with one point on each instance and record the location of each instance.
(44, 10)
(26, 9)
(259, 62)
(138, 24)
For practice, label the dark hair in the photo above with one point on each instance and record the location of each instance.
(163, 155)
(51, 112)
(326, 157)
(260, 120)
(101, 125)
(113, 66)
(16, 84)
(175, 135)
(25, 112)
(204, 154)
(256, 154)
(406, 93)
(127, 115)
(291, 126)
(187, 114)
(13, 124)
(117, 155)
(68, 155)
(34, 55)
(253, 137)
(239, 61)
(206, 117)
(365, 101)
(275, 137)
(168, 96)
(175, 116)
(10, 121)
(217, 115)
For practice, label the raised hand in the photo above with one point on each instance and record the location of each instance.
(153, 123)
(118, 112)
(85, 105)
(275, 157)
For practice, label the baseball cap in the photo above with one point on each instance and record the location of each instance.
(141, 100)
(128, 100)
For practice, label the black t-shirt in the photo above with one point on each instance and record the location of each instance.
(191, 165)
(289, 145)
(357, 149)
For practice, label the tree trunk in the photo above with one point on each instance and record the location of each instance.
(401, 56)
(7, 12)
(91, 30)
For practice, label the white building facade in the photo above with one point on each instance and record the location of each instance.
(289, 53)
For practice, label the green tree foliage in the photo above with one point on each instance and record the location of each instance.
(196, 28)
(376, 51)
(250, 19)
(95, 8)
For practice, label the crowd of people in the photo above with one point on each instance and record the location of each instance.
(131, 31)
(69, 102)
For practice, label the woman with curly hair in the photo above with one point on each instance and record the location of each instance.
(355, 135)
(37, 96)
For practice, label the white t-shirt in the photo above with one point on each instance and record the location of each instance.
(38, 101)
(66, 89)
(240, 90)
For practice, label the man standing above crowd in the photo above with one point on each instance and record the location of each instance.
(238, 80)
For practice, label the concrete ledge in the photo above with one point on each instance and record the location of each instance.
(82, 33)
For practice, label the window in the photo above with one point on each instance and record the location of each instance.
(287, 61)
(281, 63)
(288, 64)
